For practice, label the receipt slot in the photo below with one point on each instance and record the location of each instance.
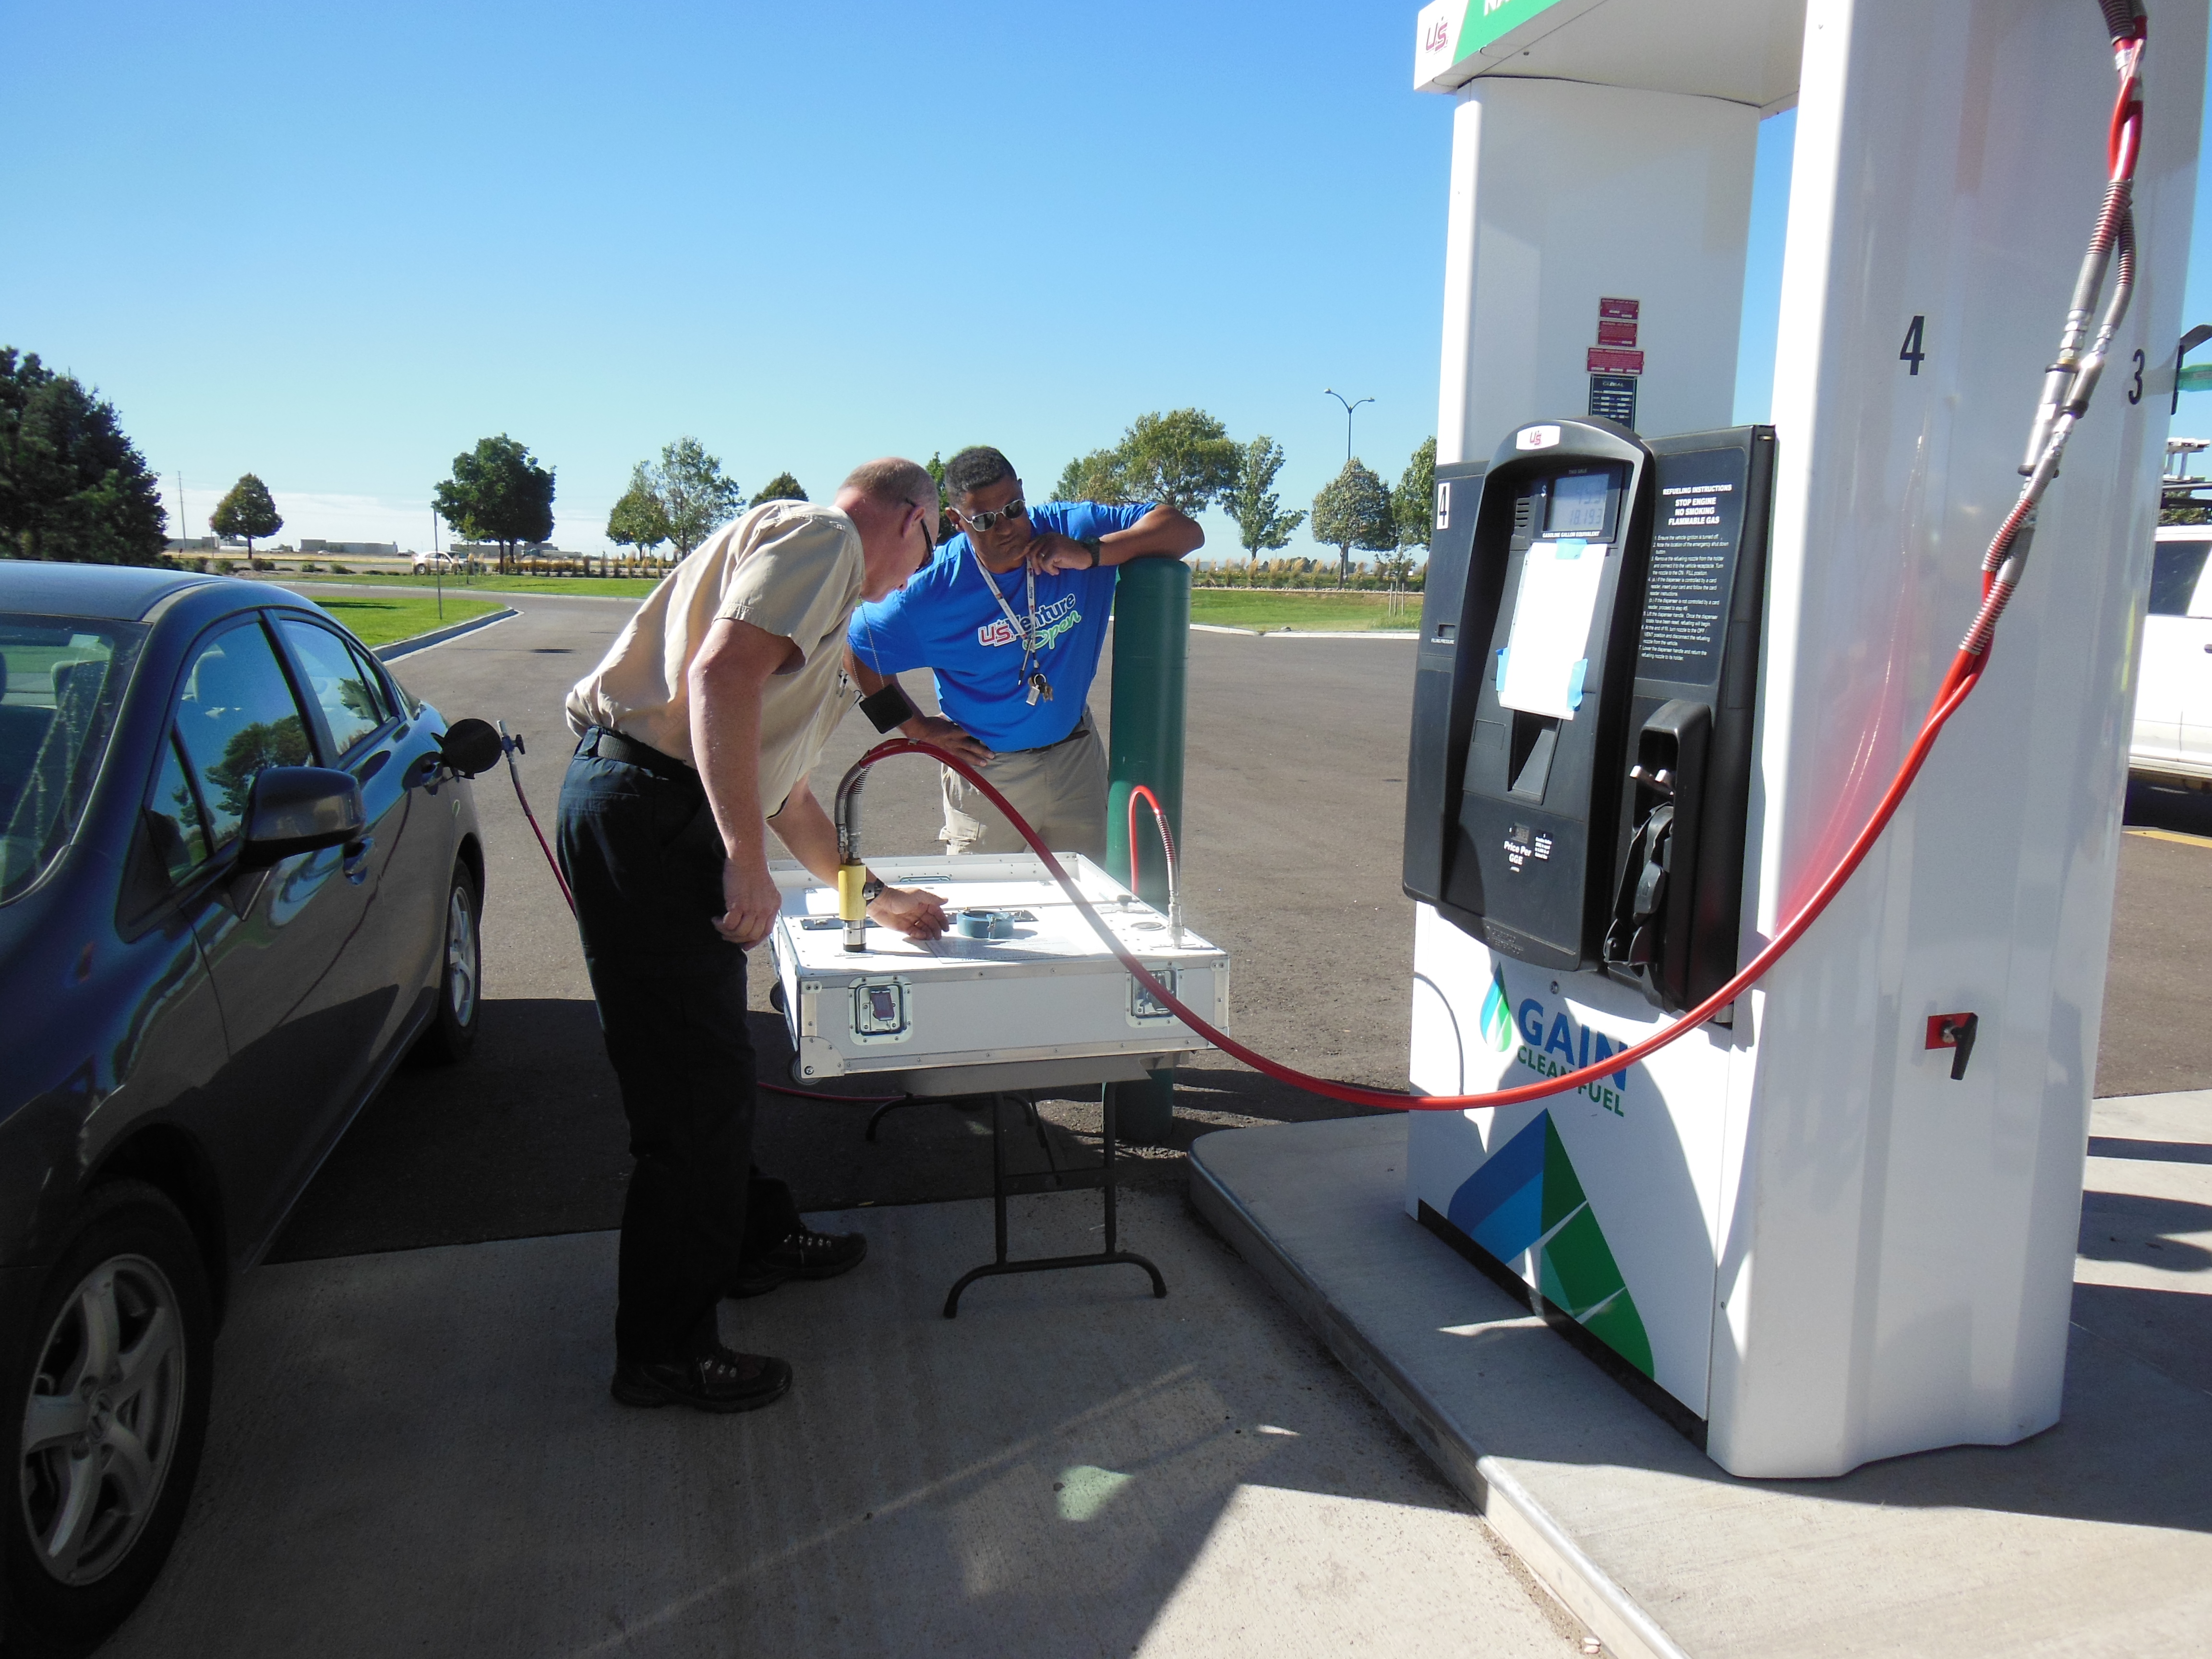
(1581, 752)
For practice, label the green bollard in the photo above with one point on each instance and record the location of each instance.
(1151, 638)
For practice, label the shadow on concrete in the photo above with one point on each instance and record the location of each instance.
(2146, 1231)
(528, 1138)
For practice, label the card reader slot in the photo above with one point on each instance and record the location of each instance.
(1535, 744)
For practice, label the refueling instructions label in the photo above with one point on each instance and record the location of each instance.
(1693, 548)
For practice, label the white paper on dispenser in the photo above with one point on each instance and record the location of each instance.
(1551, 626)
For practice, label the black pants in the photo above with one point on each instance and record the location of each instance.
(644, 859)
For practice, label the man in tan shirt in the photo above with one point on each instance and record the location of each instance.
(698, 732)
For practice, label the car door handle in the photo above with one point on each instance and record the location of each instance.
(357, 859)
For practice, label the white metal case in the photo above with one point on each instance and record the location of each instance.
(1050, 1004)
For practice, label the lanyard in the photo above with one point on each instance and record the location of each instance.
(1027, 634)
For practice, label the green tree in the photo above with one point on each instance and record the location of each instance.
(247, 512)
(1353, 510)
(781, 488)
(935, 467)
(499, 494)
(1184, 459)
(1252, 503)
(72, 486)
(693, 493)
(1097, 477)
(1413, 503)
(636, 520)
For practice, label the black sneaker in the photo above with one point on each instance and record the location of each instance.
(808, 1255)
(718, 1381)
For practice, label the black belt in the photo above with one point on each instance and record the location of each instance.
(612, 745)
(1081, 725)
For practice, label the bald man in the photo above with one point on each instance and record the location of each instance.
(699, 731)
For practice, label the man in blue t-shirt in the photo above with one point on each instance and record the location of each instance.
(1010, 615)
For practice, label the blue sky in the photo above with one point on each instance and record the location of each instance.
(335, 244)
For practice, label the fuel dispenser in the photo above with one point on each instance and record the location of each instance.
(1582, 745)
(1670, 669)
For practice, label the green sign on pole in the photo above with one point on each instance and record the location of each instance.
(1488, 19)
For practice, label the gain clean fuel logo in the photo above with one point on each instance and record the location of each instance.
(1553, 1043)
(1497, 1015)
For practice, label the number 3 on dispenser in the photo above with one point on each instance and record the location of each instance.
(1911, 352)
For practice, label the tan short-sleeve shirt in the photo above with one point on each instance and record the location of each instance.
(791, 569)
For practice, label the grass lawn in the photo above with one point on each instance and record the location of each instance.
(623, 588)
(1257, 608)
(380, 622)
(1224, 607)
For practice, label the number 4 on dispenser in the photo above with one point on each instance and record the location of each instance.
(1911, 351)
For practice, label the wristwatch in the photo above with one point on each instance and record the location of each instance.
(1090, 542)
(872, 889)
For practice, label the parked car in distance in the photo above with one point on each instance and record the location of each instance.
(429, 563)
(2173, 740)
(240, 877)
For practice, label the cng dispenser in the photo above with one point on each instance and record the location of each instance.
(1662, 680)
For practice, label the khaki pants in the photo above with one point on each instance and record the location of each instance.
(1061, 791)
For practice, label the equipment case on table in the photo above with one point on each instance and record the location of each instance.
(1047, 1004)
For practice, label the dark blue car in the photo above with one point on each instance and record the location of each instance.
(241, 880)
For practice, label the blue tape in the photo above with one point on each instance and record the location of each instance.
(1500, 681)
(1570, 547)
(1575, 681)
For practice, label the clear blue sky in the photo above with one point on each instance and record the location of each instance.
(335, 244)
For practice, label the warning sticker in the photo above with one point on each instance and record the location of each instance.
(1692, 562)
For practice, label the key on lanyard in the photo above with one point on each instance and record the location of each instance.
(1039, 687)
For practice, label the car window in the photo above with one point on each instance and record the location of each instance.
(237, 715)
(2175, 570)
(352, 700)
(174, 823)
(62, 680)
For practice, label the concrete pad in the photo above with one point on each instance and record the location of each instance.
(415, 1452)
(2094, 1538)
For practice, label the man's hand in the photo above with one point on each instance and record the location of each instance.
(1050, 553)
(750, 899)
(911, 911)
(935, 728)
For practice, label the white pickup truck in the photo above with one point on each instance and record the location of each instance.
(2173, 693)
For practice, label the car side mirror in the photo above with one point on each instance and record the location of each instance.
(469, 746)
(299, 808)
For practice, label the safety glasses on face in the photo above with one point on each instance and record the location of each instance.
(981, 522)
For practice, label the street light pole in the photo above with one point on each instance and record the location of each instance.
(1331, 391)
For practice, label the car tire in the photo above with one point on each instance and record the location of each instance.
(453, 1032)
(129, 1278)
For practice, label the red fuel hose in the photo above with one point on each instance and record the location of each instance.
(2067, 398)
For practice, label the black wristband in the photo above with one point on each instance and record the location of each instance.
(888, 708)
(1096, 551)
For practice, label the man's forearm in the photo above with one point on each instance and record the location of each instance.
(726, 742)
(1162, 531)
(808, 832)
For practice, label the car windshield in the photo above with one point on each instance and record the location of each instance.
(64, 679)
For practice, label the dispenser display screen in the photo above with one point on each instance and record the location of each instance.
(1577, 505)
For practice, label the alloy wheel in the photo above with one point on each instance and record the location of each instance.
(100, 1429)
(462, 962)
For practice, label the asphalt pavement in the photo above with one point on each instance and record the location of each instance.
(1293, 817)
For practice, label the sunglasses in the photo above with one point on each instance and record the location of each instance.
(983, 521)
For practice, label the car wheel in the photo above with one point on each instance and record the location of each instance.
(453, 1031)
(106, 1395)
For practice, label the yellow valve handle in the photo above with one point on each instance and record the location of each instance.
(851, 907)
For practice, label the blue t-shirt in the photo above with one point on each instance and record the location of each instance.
(945, 619)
